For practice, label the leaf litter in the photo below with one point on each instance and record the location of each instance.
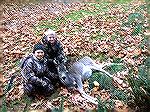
(93, 30)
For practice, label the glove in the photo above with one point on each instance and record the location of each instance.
(37, 81)
(43, 83)
(50, 87)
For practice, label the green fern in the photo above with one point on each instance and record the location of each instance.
(141, 85)
(119, 95)
(104, 81)
(61, 108)
(133, 16)
(136, 20)
(4, 106)
(101, 106)
(104, 106)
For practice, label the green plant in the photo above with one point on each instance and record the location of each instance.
(4, 106)
(61, 108)
(141, 85)
(104, 81)
(136, 21)
(101, 106)
(28, 102)
(100, 56)
(115, 68)
(119, 95)
(104, 106)
(123, 1)
(7, 88)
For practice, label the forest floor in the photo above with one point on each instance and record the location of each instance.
(105, 31)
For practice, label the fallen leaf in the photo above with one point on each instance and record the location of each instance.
(1, 91)
(95, 89)
(96, 83)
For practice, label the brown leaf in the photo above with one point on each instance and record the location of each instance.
(66, 109)
(86, 84)
(104, 95)
(120, 107)
(137, 52)
(1, 91)
(95, 89)
(1, 78)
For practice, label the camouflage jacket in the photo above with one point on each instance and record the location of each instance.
(38, 68)
(55, 51)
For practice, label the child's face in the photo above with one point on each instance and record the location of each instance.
(39, 54)
(51, 38)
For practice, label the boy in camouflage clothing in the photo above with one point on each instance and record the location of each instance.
(36, 74)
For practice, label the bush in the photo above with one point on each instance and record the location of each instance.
(141, 86)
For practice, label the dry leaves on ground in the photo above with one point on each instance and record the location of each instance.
(102, 33)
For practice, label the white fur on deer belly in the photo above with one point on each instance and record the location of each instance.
(87, 72)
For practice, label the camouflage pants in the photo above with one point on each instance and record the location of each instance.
(32, 89)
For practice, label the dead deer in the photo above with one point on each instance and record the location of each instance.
(80, 71)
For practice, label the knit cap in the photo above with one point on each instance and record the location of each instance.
(49, 32)
(38, 46)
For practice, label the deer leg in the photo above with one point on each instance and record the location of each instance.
(89, 98)
(83, 93)
(108, 74)
(80, 89)
(99, 68)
